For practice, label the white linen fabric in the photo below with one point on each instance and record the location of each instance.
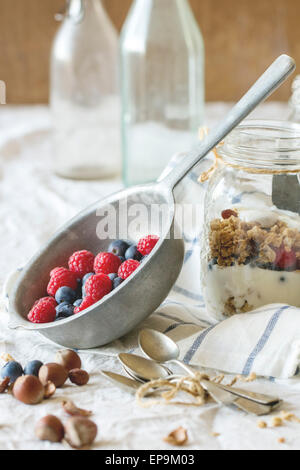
(34, 203)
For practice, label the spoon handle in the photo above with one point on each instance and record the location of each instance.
(184, 366)
(273, 77)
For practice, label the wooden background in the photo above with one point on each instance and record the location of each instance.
(241, 37)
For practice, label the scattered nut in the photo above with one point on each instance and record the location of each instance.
(72, 409)
(281, 440)
(68, 358)
(277, 421)
(28, 389)
(50, 428)
(289, 416)
(178, 437)
(4, 384)
(79, 376)
(262, 424)
(53, 372)
(50, 389)
(6, 357)
(80, 432)
(216, 434)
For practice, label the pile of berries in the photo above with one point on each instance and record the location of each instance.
(89, 278)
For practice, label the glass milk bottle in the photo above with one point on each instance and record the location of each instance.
(84, 94)
(162, 71)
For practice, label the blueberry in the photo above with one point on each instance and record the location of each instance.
(117, 282)
(86, 277)
(212, 263)
(122, 259)
(64, 311)
(65, 294)
(13, 370)
(112, 276)
(32, 368)
(79, 288)
(118, 247)
(133, 253)
(282, 279)
(77, 303)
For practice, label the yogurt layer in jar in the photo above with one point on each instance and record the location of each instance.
(250, 254)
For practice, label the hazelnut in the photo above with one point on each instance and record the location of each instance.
(68, 358)
(80, 432)
(50, 428)
(28, 389)
(53, 372)
(79, 376)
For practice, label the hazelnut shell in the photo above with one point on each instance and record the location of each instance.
(53, 372)
(50, 428)
(68, 358)
(28, 389)
(80, 432)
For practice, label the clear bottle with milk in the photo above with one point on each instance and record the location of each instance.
(162, 72)
(84, 95)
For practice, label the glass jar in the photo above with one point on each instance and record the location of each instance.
(294, 102)
(84, 96)
(250, 253)
(162, 71)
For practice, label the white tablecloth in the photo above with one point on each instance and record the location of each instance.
(34, 203)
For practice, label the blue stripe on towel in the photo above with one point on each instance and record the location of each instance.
(175, 325)
(197, 343)
(263, 340)
(186, 293)
(178, 320)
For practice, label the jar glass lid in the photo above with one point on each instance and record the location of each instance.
(263, 144)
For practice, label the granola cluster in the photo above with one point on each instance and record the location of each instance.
(233, 241)
(230, 308)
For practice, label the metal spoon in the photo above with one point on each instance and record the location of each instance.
(142, 368)
(161, 348)
(104, 322)
(132, 364)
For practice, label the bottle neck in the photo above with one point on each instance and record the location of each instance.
(78, 9)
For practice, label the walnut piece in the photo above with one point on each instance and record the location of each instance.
(178, 437)
(276, 422)
(262, 424)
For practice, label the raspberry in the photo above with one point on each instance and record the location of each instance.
(81, 262)
(106, 263)
(98, 286)
(146, 244)
(229, 213)
(86, 303)
(62, 278)
(127, 268)
(57, 270)
(43, 311)
(285, 259)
